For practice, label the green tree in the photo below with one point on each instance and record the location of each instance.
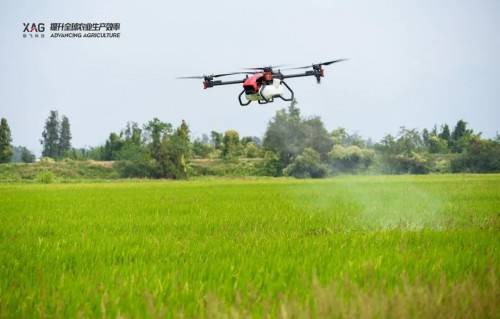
(403, 154)
(251, 150)
(50, 136)
(445, 134)
(288, 134)
(350, 158)
(316, 136)
(251, 139)
(155, 130)
(175, 153)
(480, 156)
(27, 156)
(113, 146)
(201, 149)
(460, 137)
(425, 137)
(64, 137)
(6, 150)
(284, 134)
(308, 164)
(459, 131)
(435, 144)
(230, 144)
(216, 139)
(407, 142)
(340, 136)
(133, 134)
(270, 165)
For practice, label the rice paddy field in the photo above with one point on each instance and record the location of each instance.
(357, 246)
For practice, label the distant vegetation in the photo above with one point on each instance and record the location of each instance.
(293, 145)
(59, 171)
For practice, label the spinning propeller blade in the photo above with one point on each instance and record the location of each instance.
(270, 67)
(318, 64)
(211, 76)
(189, 77)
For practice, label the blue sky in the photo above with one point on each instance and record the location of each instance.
(412, 63)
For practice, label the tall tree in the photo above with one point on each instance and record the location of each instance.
(184, 148)
(460, 136)
(459, 131)
(175, 153)
(155, 130)
(5, 140)
(316, 136)
(231, 143)
(425, 137)
(113, 146)
(340, 136)
(133, 134)
(288, 134)
(445, 134)
(284, 134)
(216, 139)
(64, 137)
(50, 136)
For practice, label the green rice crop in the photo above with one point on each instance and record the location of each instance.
(357, 246)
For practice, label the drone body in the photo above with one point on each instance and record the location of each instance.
(264, 84)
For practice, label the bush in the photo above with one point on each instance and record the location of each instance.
(437, 145)
(138, 168)
(27, 156)
(219, 167)
(47, 160)
(306, 165)
(251, 150)
(270, 165)
(45, 177)
(351, 158)
(480, 156)
(441, 165)
(410, 164)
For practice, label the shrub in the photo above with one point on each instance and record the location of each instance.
(480, 156)
(270, 165)
(47, 160)
(251, 150)
(410, 164)
(437, 144)
(231, 144)
(308, 164)
(27, 156)
(137, 168)
(351, 158)
(45, 177)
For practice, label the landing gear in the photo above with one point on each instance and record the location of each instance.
(241, 101)
(261, 98)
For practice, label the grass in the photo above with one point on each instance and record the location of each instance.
(78, 170)
(65, 170)
(398, 246)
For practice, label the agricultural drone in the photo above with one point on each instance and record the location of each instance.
(264, 84)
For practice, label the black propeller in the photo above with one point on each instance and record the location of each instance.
(266, 68)
(211, 76)
(317, 65)
(317, 68)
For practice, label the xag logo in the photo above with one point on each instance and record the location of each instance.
(32, 29)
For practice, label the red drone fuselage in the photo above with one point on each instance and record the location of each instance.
(253, 82)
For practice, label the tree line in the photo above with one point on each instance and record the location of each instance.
(292, 145)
